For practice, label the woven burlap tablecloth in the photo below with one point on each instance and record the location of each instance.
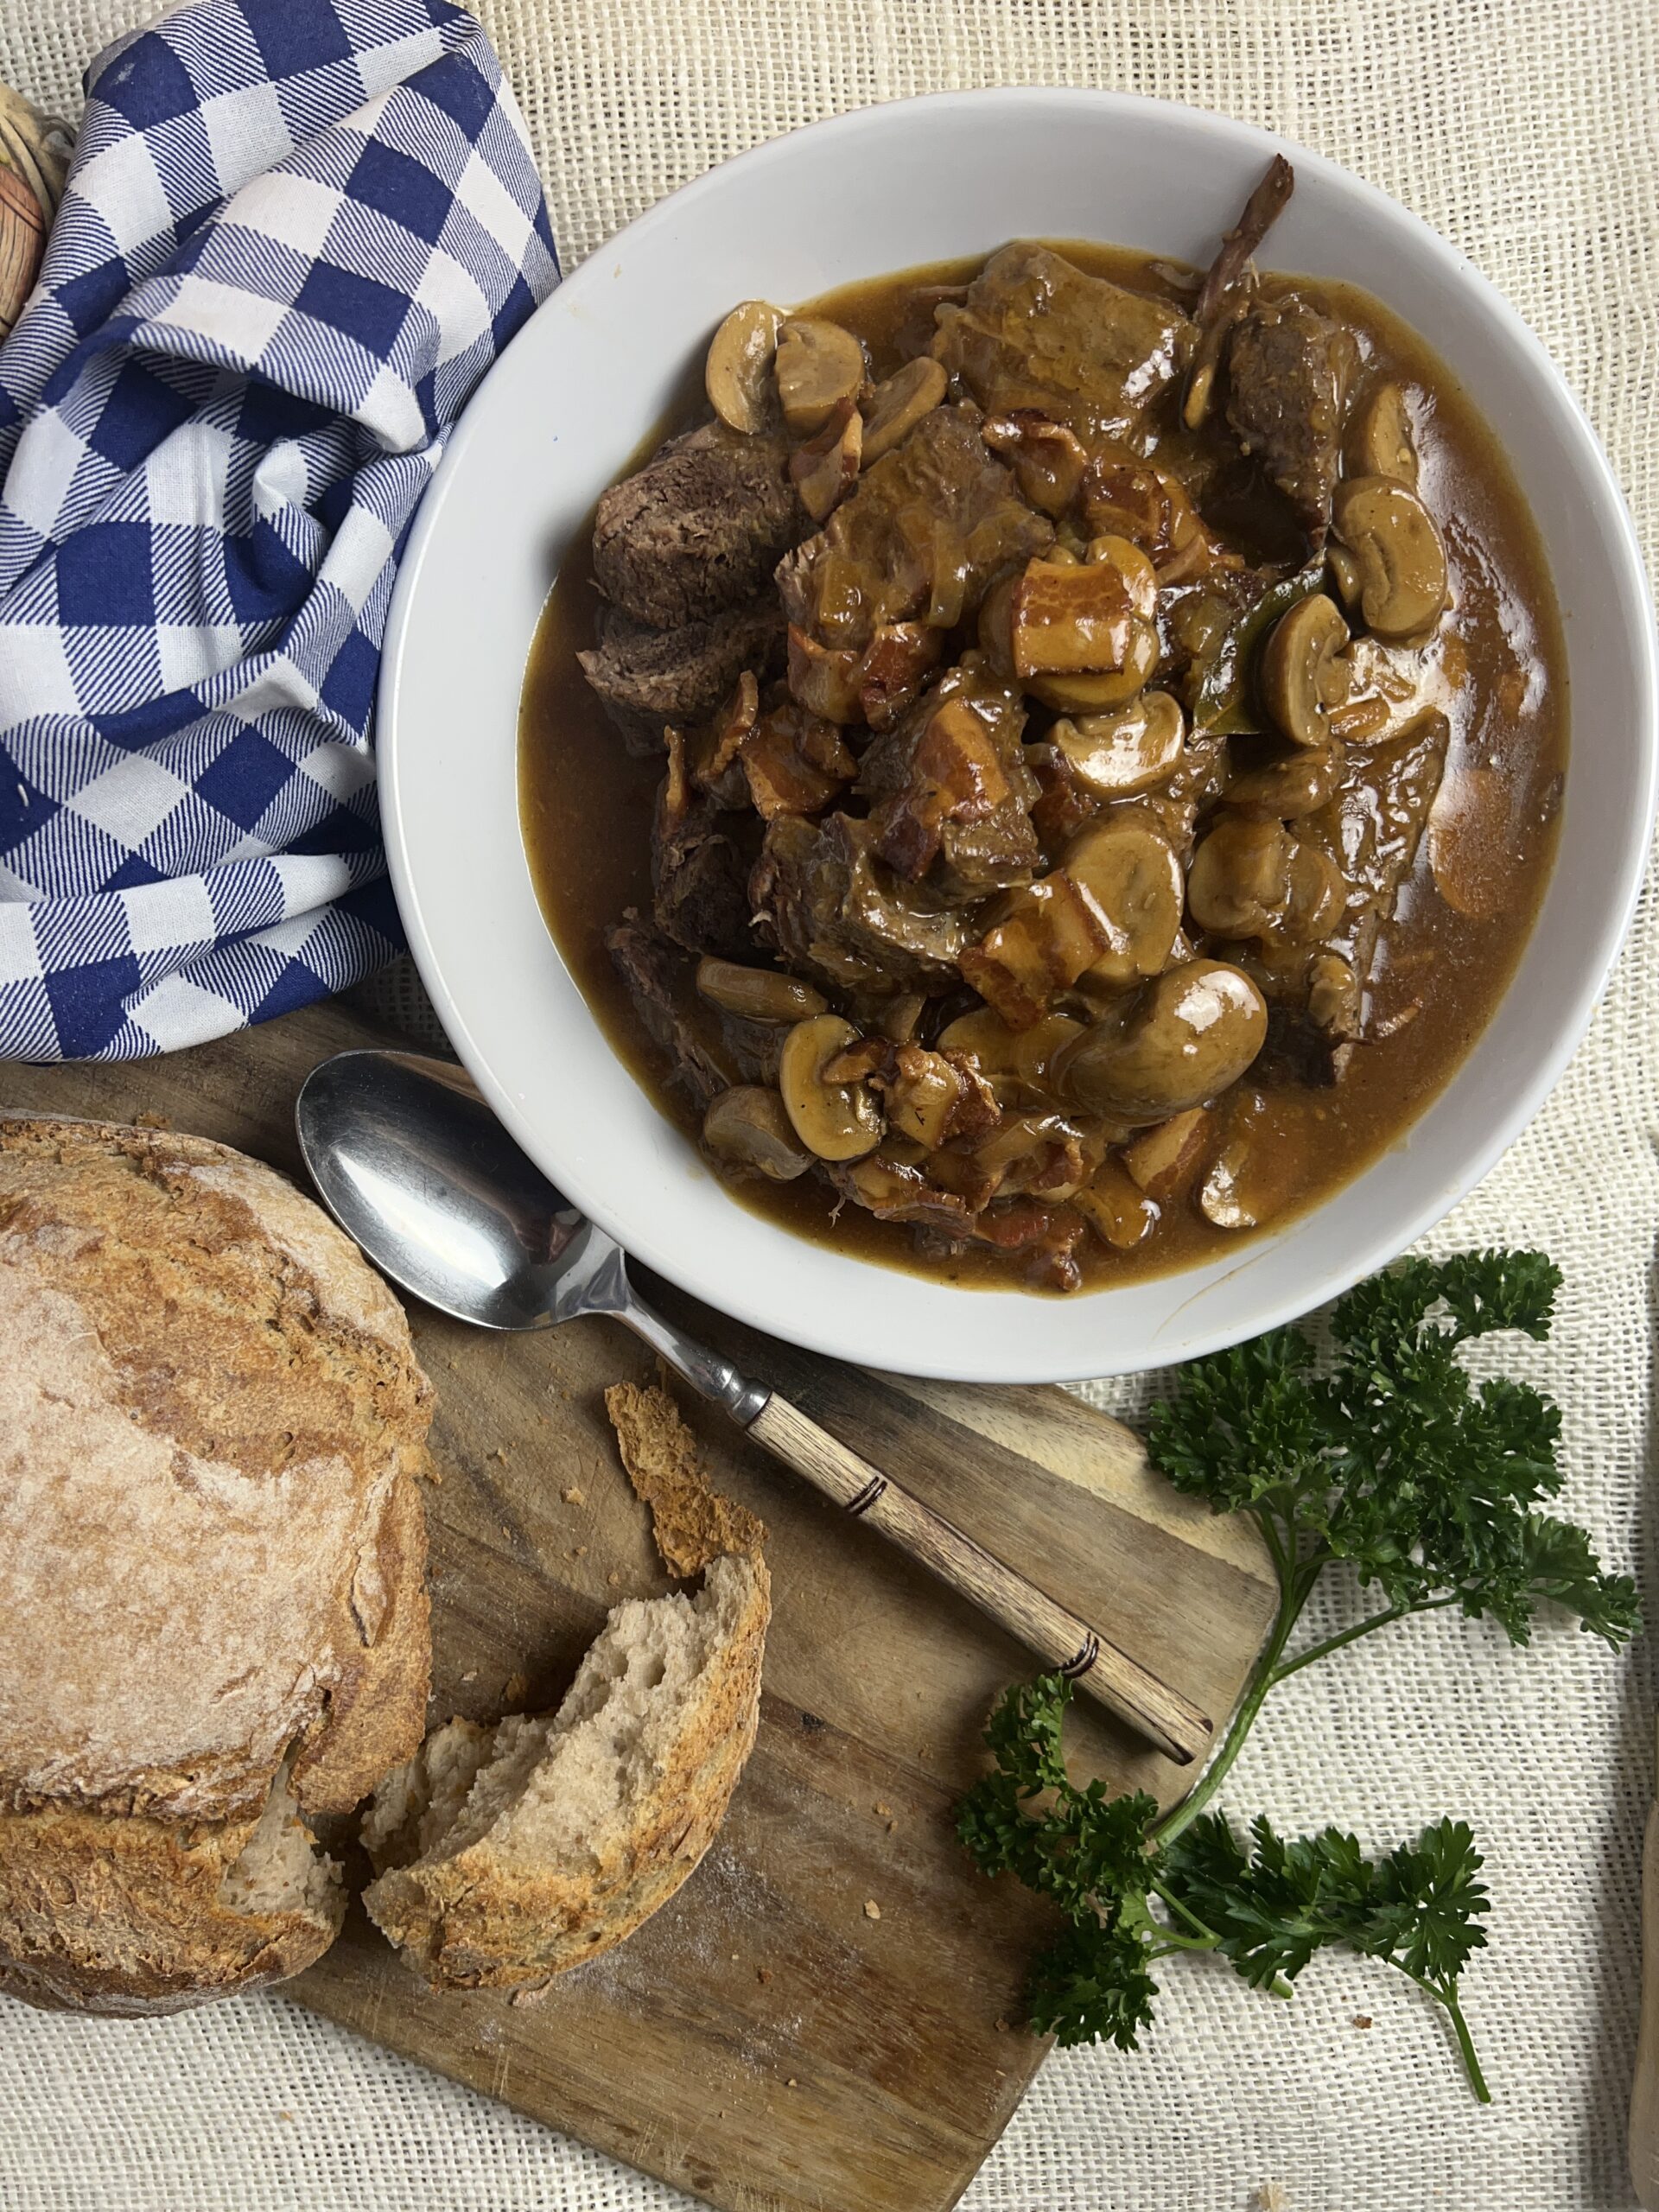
(1522, 130)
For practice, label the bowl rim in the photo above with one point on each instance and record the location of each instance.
(723, 1289)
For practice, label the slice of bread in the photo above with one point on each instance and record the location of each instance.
(504, 1857)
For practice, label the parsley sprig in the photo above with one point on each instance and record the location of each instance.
(1385, 1456)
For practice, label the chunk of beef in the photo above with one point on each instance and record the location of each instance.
(920, 539)
(1290, 369)
(699, 528)
(699, 875)
(1034, 332)
(951, 784)
(647, 677)
(833, 912)
(657, 977)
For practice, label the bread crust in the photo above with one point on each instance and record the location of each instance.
(126, 1916)
(691, 1523)
(480, 1920)
(211, 1551)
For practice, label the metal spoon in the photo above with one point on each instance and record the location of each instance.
(418, 1172)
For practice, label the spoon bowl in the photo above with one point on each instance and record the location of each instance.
(418, 1172)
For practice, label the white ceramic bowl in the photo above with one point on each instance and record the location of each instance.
(557, 419)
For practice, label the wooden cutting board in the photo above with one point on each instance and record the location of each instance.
(767, 2041)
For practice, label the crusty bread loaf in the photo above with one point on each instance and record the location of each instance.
(506, 1856)
(212, 1616)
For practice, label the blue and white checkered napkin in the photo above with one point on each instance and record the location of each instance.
(296, 233)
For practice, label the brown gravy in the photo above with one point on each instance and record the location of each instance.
(586, 808)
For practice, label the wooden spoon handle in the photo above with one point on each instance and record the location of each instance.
(1644, 2097)
(1150, 1707)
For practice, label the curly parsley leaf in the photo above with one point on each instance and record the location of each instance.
(1384, 1454)
(1390, 1457)
(1093, 1984)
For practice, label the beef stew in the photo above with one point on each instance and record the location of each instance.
(1049, 768)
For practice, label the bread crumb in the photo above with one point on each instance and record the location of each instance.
(572, 1495)
(577, 1551)
(532, 1996)
(500, 1454)
(471, 1674)
(691, 1521)
(882, 1809)
(872, 1910)
(790, 2083)
(150, 1119)
(514, 1688)
(614, 1579)
(763, 1974)
(1361, 2019)
(1271, 2196)
(1001, 2025)
(892, 1825)
(285, 2115)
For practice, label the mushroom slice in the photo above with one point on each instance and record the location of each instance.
(757, 994)
(1344, 572)
(1303, 673)
(1134, 880)
(1116, 1208)
(1281, 791)
(1180, 1042)
(1318, 896)
(736, 375)
(1380, 442)
(1097, 693)
(1047, 458)
(1390, 533)
(1238, 884)
(1249, 1182)
(826, 468)
(1016, 1062)
(1223, 1199)
(1164, 1160)
(899, 403)
(835, 1120)
(1109, 550)
(747, 1126)
(1115, 755)
(818, 364)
